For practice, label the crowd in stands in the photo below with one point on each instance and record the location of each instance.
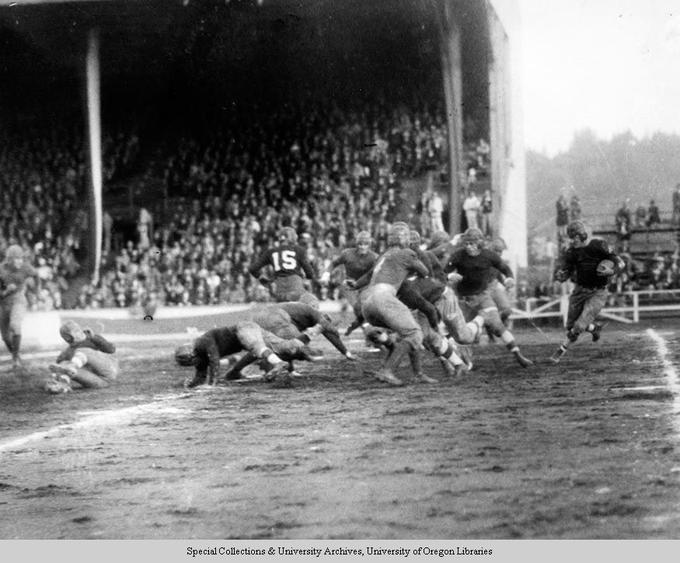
(42, 179)
(327, 172)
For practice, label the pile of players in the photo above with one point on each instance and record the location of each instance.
(438, 297)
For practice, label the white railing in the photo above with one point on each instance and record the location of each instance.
(636, 302)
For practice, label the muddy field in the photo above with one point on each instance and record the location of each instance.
(586, 449)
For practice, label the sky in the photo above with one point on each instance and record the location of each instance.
(607, 65)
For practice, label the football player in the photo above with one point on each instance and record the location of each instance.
(382, 308)
(590, 265)
(15, 273)
(473, 268)
(88, 360)
(357, 261)
(205, 352)
(288, 262)
(289, 321)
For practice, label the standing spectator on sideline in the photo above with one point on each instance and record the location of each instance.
(641, 216)
(676, 205)
(435, 208)
(107, 228)
(471, 207)
(562, 218)
(623, 221)
(653, 214)
(575, 208)
(144, 229)
(14, 275)
(486, 210)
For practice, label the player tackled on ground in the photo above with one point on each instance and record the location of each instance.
(474, 268)
(14, 275)
(590, 265)
(288, 262)
(207, 349)
(88, 360)
(290, 321)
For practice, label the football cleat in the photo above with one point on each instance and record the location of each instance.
(195, 381)
(465, 353)
(448, 367)
(557, 356)
(387, 376)
(425, 378)
(277, 371)
(522, 360)
(310, 354)
(596, 333)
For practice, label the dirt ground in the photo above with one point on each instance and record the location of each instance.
(586, 449)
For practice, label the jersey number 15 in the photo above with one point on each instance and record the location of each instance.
(284, 260)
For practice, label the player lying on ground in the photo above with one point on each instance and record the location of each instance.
(288, 262)
(15, 273)
(590, 265)
(88, 360)
(290, 321)
(474, 267)
(205, 352)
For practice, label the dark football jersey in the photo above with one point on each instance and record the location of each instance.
(285, 260)
(581, 263)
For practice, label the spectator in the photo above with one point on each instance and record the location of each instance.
(435, 208)
(623, 223)
(486, 210)
(144, 229)
(641, 216)
(676, 206)
(653, 214)
(471, 206)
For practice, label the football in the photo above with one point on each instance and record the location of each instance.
(606, 268)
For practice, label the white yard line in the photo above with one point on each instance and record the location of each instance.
(671, 374)
(158, 407)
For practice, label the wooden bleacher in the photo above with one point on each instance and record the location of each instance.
(644, 243)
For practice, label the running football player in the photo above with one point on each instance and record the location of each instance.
(15, 274)
(590, 265)
(473, 269)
